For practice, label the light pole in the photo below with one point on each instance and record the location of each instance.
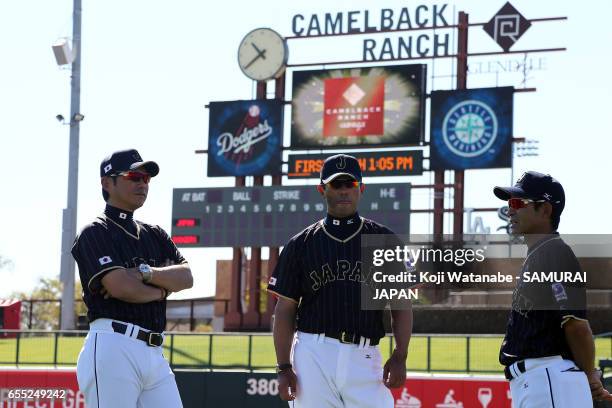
(69, 214)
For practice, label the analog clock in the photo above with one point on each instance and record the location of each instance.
(263, 54)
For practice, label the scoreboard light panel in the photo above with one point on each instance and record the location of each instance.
(270, 215)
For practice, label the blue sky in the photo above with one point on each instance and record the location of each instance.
(149, 67)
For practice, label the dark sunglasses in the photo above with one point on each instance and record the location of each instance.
(338, 184)
(518, 203)
(136, 176)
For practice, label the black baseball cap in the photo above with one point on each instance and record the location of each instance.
(126, 160)
(340, 165)
(535, 186)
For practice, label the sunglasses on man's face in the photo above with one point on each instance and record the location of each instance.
(136, 176)
(338, 184)
(518, 203)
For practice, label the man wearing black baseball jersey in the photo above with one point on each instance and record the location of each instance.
(548, 349)
(127, 269)
(333, 360)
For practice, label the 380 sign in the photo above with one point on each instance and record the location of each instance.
(261, 390)
(262, 386)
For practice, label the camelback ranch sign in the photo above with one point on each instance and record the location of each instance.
(245, 138)
(358, 107)
(403, 45)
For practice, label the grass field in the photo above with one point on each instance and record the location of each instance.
(426, 353)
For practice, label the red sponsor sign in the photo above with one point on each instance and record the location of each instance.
(354, 106)
(453, 392)
(418, 392)
(21, 388)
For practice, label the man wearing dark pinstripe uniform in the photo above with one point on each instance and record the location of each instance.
(548, 350)
(333, 359)
(127, 269)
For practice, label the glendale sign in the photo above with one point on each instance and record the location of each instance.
(385, 20)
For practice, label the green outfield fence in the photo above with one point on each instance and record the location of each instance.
(255, 351)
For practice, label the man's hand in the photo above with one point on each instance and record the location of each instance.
(134, 273)
(394, 373)
(598, 392)
(105, 293)
(287, 384)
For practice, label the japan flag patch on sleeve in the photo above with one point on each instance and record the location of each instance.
(104, 260)
(272, 281)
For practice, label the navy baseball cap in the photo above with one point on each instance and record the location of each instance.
(535, 186)
(126, 160)
(340, 165)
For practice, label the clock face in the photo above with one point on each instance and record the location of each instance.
(262, 54)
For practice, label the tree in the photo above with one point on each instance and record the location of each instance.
(43, 304)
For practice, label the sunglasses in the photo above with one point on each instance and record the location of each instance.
(518, 203)
(338, 184)
(136, 176)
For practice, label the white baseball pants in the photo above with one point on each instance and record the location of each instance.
(119, 371)
(331, 374)
(550, 382)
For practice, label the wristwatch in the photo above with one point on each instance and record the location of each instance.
(282, 367)
(146, 272)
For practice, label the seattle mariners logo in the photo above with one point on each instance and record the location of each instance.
(341, 163)
(470, 128)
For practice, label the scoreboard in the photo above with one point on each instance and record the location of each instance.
(270, 215)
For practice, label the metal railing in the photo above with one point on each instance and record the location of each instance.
(29, 310)
(255, 351)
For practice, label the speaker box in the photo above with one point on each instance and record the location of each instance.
(62, 51)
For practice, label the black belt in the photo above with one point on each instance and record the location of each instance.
(517, 369)
(349, 338)
(151, 338)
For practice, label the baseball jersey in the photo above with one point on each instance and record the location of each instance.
(115, 240)
(320, 269)
(539, 310)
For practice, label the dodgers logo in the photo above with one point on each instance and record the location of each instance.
(245, 138)
(469, 128)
